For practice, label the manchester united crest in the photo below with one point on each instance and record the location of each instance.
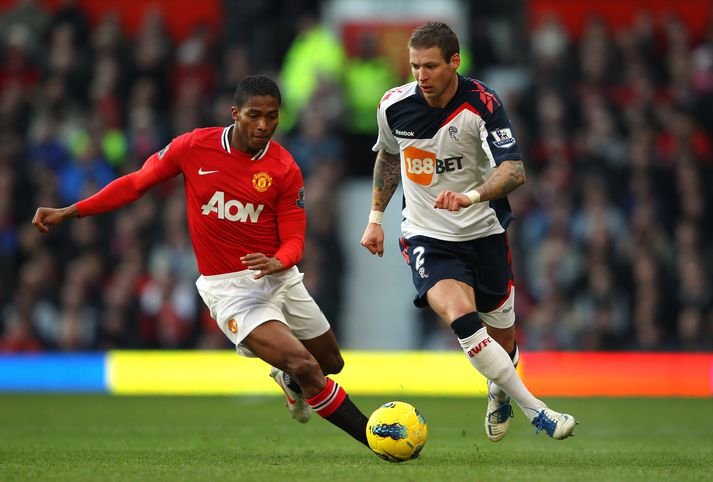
(233, 326)
(262, 181)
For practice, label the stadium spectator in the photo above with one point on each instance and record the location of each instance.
(315, 56)
(367, 75)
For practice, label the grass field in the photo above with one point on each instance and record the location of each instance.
(98, 437)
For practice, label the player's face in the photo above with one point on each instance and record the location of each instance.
(436, 78)
(255, 123)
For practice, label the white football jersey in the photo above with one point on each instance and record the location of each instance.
(454, 149)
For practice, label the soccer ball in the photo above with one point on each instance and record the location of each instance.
(396, 432)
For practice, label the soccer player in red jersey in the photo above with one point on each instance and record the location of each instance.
(246, 217)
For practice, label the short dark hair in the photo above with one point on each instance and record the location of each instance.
(256, 85)
(435, 34)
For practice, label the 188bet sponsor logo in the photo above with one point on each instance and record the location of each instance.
(421, 165)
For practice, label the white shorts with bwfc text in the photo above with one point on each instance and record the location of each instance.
(239, 303)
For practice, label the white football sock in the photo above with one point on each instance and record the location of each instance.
(493, 362)
(497, 393)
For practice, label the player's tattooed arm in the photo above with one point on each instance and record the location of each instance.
(387, 174)
(507, 177)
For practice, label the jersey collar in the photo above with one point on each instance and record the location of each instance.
(459, 91)
(225, 142)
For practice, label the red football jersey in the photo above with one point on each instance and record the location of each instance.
(236, 204)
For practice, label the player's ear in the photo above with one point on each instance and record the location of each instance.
(234, 112)
(455, 60)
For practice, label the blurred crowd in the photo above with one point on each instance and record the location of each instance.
(610, 243)
(81, 104)
(614, 221)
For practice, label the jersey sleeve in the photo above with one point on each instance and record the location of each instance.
(500, 137)
(127, 189)
(386, 139)
(291, 219)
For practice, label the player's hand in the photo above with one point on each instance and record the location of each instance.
(45, 217)
(452, 201)
(263, 264)
(373, 239)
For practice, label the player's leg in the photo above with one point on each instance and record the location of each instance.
(240, 304)
(310, 326)
(325, 350)
(274, 343)
(442, 272)
(452, 300)
(499, 411)
(505, 338)
(495, 297)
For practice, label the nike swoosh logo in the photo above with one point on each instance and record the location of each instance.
(201, 172)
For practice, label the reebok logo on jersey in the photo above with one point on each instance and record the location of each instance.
(503, 138)
(404, 133)
(232, 210)
(479, 347)
(420, 165)
(201, 172)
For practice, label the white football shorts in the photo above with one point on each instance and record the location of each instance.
(239, 303)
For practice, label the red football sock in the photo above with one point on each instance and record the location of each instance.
(333, 404)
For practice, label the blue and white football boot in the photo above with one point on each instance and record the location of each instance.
(497, 418)
(557, 425)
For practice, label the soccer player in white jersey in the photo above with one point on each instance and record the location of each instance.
(246, 217)
(448, 139)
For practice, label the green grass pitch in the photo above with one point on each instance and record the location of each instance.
(97, 437)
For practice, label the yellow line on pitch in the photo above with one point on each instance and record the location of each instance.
(224, 372)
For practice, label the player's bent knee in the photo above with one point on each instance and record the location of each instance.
(303, 369)
(334, 365)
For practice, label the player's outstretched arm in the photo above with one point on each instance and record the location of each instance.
(46, 217)
(119, 192)
(387, 173)
(507, 177)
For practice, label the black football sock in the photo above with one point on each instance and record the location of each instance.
(291, 383)
(333, 404)
(515, 354)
